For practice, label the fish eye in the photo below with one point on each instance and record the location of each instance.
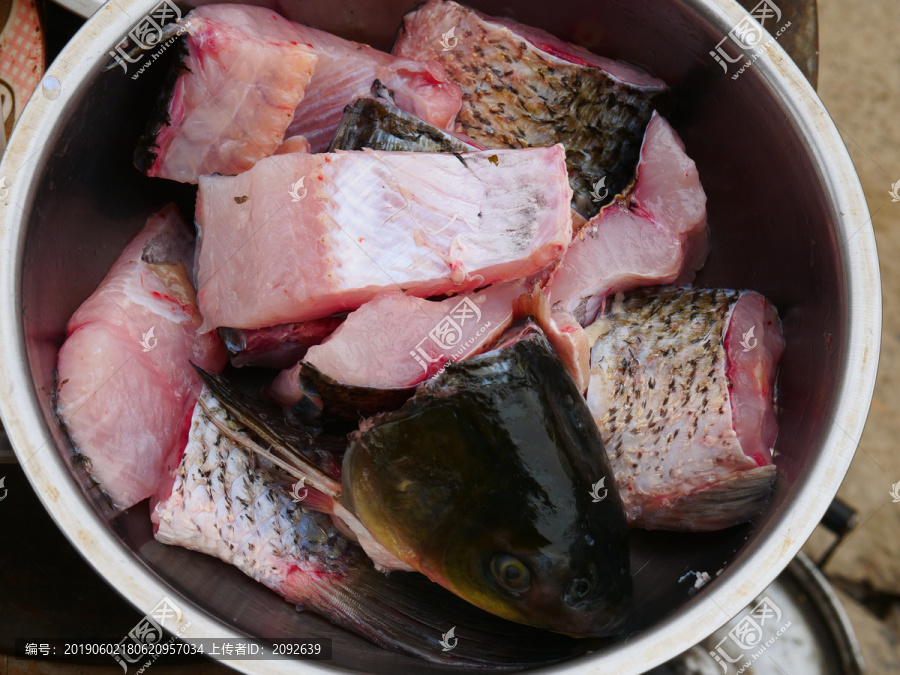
(511, 572)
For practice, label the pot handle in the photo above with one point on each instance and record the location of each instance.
(83, 8)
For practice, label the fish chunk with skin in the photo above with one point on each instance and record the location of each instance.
(346, 70)
(654, 234)
(124, 371)
(682, 389)
(244, 71)
(368, 222)
(524, 87)
(227, 503)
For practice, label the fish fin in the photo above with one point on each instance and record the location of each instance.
(730, 502)
(406, 612)
(281, 451)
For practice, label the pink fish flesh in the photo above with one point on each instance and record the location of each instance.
(245, 71)
(655, 235)
(125, 380)
(227, 503)
(302, 237)
(347, 70)
(523, 87)
(396, 340)
(682, 389)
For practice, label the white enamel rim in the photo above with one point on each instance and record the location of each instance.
(50, 478)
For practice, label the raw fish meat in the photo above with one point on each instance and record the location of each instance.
(302, 237)
(397, 340)
(682, 388)
(655, 234)
(243, 73)
(125, 381)
(277, 346)
(523, 87)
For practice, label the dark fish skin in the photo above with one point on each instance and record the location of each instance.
(659, 392)
(516, 96)
(496, 456)
(371, 123)
(146, 150)
(230, 504)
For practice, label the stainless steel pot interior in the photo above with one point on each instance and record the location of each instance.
(787, 218)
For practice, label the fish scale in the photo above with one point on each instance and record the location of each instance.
(660, 395)
(227, 503)
(536, 98)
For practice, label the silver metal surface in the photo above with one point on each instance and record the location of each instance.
(787, 215)
(804, 631)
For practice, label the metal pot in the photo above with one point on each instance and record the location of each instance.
(787, 217)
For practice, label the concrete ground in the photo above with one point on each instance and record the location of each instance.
(859, 82)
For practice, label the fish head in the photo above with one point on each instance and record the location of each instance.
(486, 481)
(536, 559)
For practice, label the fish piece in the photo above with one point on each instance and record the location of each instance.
(232, 94)
(347, 70)
(566, 335)
(277, 346)
(293, 144)
(227, 503)
(482, 482)
(654, 234)
(523, 87)
(682, 389)
(356, 224)
(397, 340)
(125, 381)
(376, 124)
(390, 344)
